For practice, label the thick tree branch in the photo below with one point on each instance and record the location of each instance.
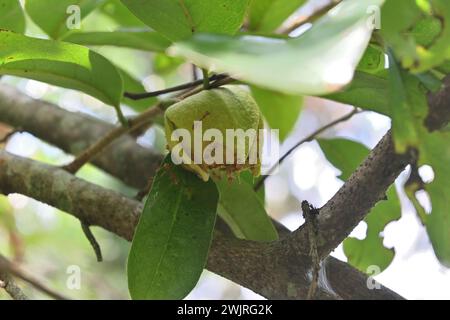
(74, 132)
(367, 186)
(278, 270)
(261, 267)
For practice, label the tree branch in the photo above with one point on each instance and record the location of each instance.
(367, 186)
(11, 269)
(259, 266)
(10, 286)
(74, 132)
(278, 270)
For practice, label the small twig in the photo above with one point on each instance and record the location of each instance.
(307, 139)
(92, 241)
(97, 147)
(311, 18)
(194, 72)
(9, 285)
(205, 79)
(310, 214)
(189, 85)
(8, 267)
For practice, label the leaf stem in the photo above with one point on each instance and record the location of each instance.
(205, 79)
(122, 119)
(189, 85)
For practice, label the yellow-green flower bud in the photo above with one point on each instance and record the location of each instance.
(216, 131)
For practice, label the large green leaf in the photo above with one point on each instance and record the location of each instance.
(145, 40)
(280, 110)
(179, 19)
(120, 14)
(267, 15)
(433, 149)
(241, 208)
(346, 155)
(11, 16)
(61, 64)
(320, 61)
(369, 87)
(366, 91)
(52, 15)
(403, 108)
(172, 239)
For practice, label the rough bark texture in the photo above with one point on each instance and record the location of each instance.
(279, 270)
(365, 188)
(74, 132)
(269, 270)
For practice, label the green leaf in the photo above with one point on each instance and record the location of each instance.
(179, 19)
(172, 239)
(241, 208)
(164, 64)
(53, 16)
(404, 110)
(11, 16)
(408, 107)
(426, 31)
(146, 40)
(397, 17)
(373, 60)
(61, 64)
(280, 110)
(120, 14)
(435, 151)
(417, 33)
(268, 15)
(366, 91)
(439, 49)
(300, 66)
(347, 155)
(248, 177)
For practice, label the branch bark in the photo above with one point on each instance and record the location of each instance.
(264, 268)
(366, 186)
(74, 132)
(8, 284)
(277, 270)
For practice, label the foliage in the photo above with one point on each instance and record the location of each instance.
(341, 58)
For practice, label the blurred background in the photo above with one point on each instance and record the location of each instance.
(49, 244)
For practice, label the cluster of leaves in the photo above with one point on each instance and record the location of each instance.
(338, 58)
